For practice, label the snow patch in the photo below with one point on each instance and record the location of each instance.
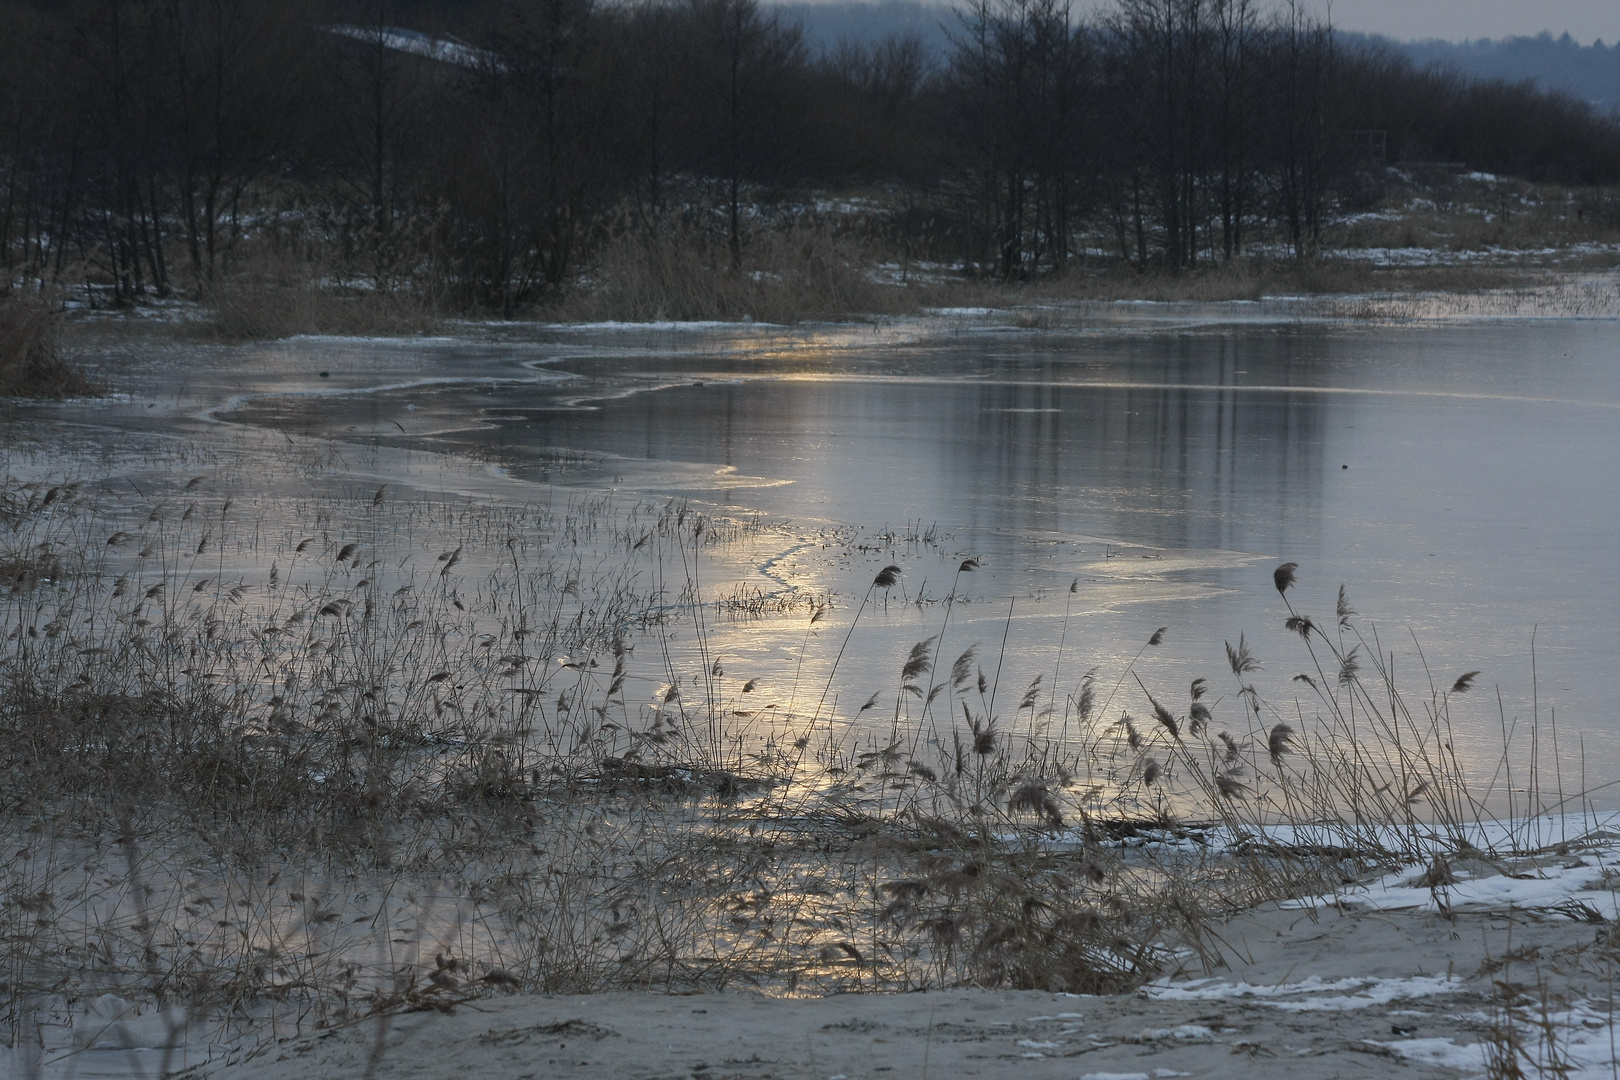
(1181, 1031)
(1336, 996)
(666, 324)
(444, 50)
(1579, 884)
(1441, 1052)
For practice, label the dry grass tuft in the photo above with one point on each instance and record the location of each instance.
(282, 283)
(679, 273)
(249, 309)
(31, 364)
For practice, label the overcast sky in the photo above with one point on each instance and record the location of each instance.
(1454, 20)
(1584, 20)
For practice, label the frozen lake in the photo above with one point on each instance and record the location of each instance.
(1460, 479)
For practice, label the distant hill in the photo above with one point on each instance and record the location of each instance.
(1589, 72)
(826, 24)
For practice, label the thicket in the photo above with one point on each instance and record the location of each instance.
(495, 153)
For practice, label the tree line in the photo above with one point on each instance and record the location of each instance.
(488, 146)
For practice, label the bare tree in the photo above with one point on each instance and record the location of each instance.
(374, 94)
(1234, 91)
(741, 61)
(1301, 62)
(228, 65)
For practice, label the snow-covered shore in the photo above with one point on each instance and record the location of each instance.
(1315, 993)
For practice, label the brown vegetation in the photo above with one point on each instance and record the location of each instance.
(680, 274)
(402, 759)
(31, 364)
(378, 164)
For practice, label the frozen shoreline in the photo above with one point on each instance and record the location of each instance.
(1315, 994)
(1399, 970)
(1387, 958)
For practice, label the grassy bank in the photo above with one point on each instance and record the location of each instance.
(810, 256)
(807, 279)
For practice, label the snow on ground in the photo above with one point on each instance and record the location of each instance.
(661, 324)
(964, 312)
(1309, 995)
(1294, 993)
(1568, 866)
(1576, 884)
(1574, 1043)
(1491, 255)
(454, 53)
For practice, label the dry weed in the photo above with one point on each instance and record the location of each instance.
(31, 363)
(680, 273)
(411, 755)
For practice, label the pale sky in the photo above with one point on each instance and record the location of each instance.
(1457, 20)
(1454, 20)
(1584, 20)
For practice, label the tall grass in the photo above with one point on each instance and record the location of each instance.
(277, 290)
(294, 774)
(31, 361)
(681, 273)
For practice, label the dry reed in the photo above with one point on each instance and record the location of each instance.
(288, 777)
(681, 273)
(31, 362)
